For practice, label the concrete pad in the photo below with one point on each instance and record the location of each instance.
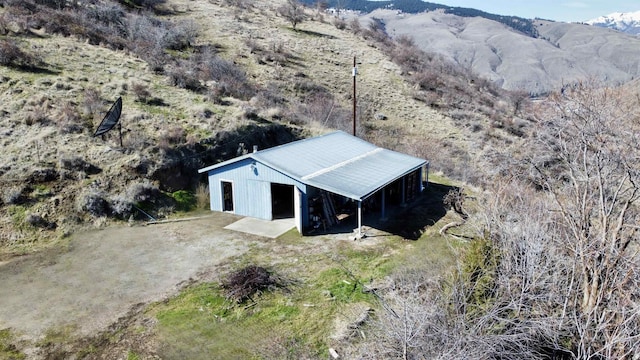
(271, 229)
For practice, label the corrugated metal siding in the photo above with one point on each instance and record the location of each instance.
(251, 187)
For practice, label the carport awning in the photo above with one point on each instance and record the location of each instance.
(363, 177)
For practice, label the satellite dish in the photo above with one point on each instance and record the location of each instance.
(111, 119)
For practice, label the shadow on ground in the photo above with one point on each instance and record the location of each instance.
(409, 221)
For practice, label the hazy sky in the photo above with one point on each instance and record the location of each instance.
(559, 10)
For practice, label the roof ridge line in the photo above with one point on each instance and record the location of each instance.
(341, 164)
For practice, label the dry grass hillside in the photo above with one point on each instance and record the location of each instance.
(284, 84)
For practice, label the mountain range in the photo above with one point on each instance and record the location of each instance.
(626, 22)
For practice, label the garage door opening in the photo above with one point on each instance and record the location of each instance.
(282, 201)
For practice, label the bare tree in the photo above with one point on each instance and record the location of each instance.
(293, 11)
(591, 169)
(555, 271)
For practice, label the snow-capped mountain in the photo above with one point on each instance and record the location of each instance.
(626, 22)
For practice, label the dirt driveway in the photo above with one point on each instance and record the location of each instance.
(103, 273)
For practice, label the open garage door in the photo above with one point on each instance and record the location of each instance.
(282, 201)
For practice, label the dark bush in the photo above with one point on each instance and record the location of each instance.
(183, 75)
(12, 55)
(242, 4)
(38, 221)
(143, 4)
(339, 23)
(55, 4)
(94, 203)
(76, 163)
(141, 92)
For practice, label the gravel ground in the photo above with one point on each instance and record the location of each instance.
(102, 274)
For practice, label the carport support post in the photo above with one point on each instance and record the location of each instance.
(404, 185)
(383, 207)
(359, 236)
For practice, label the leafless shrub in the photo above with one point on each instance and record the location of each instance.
(355, 26)
(120, 206)
(145, 39)
(68, 120)
(184, 76)
(5, 24)
(174, 135)
(91, 101)
(111, 15)
(293, 11)
(229, 79)
(180, 36)
(77, 163)
(12, 55)
(143, 191)
(202, 196)
(339, 23)
(308, 88)
(270, 96)
(587, 163)
(430, 80)
(123, 205)
(241, 4)
(253, 45)
(376, 31)
(93, 202)
(407, 54)
(246, 282)
(12, 194)
(275, 53)
(141, 91)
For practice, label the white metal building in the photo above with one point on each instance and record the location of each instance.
(289, 180)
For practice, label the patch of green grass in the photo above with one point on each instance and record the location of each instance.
(185, 200)
(342, 286)
(41, 191)
(18, 214)
(61, 335)
(440, 179)
(132, 355)
(7, 349)
(290, 237)
(200, 321)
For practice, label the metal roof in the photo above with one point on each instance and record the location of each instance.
(336, 162)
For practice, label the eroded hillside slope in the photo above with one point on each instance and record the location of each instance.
(562, 53)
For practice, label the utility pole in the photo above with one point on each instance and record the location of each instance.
(354, 73)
